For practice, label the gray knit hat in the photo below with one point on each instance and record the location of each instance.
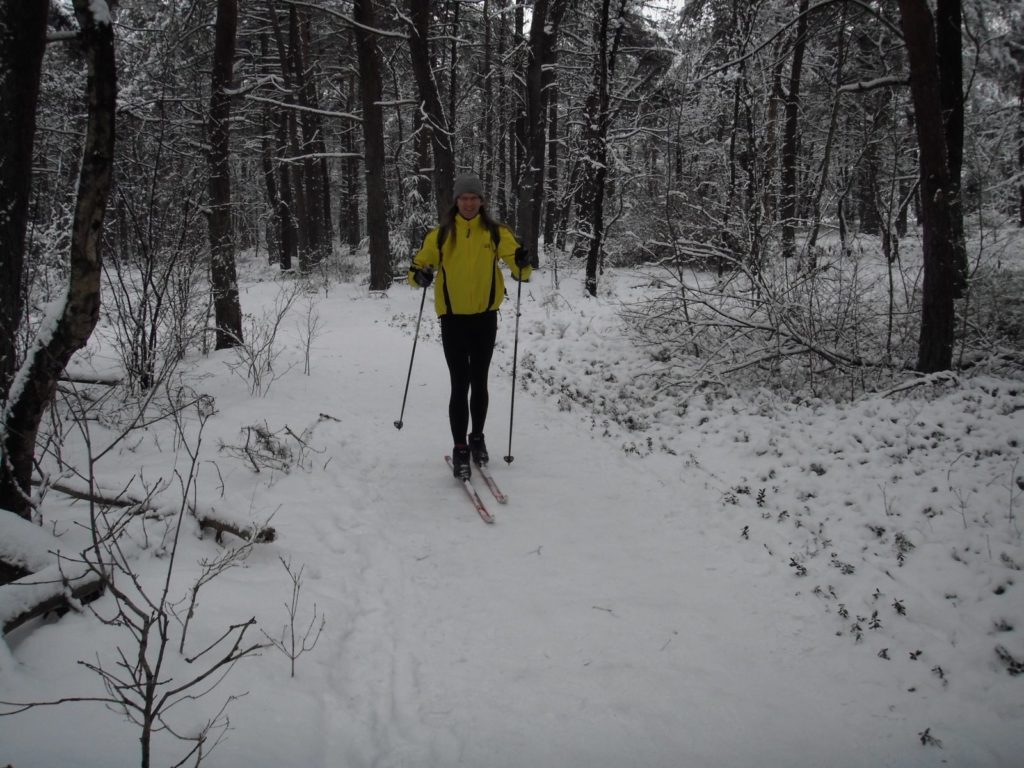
(467, 184)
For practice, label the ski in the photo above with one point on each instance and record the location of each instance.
(474, 497)
(485, 473)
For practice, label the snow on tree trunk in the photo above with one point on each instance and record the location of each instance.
(72, 320)
(431, 112)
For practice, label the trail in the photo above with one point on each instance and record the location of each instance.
(614, 615)
(604, 620)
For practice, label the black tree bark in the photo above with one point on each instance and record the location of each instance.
(226, 308)
(373, 145)
(948, 23)
(22, 41)
(935, 346)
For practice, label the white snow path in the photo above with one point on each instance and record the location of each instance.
(598, 623)
(612, 617)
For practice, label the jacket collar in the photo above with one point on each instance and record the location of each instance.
(461, 224)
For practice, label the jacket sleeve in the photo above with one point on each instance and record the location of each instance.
(426, 256)
(507, 246)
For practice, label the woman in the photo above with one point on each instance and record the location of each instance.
(464, 252)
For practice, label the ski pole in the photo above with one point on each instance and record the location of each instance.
(515, 356)
(416, 337)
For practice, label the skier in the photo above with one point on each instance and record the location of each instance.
(464, 251)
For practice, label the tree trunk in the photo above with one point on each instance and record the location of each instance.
(75, 317)
(373, 149)
(22, 40)
(350, 199)
(1020, 149)
(487, 103)
(311, 143)
(935, 347)
(286, 198)
(531, 180)
(826, 160)
(293, 179)
(503, 139)
(949, 44)
(437, 126)
(226, 309)
(551, 175)
(791, 142)
(309, 218)
(595, 174)
(280, 227)
(273, 222)
(318, 144)
(539, 74)
(423, 159)
(776, 100)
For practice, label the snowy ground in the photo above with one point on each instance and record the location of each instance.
(730, 582)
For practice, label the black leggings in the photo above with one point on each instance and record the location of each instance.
(468, 342)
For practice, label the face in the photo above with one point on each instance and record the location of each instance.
(469, 205)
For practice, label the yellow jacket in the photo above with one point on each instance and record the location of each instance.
(467, 279)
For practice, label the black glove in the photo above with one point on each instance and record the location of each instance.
(423, 277)
(522, 257)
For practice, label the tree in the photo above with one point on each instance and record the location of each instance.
(935, 346)
(314, 149)
(373, 144)
(75, 318)
(595, 167)
(224, 283)
(22, 41)
(430, 110)
(949, 53)
(790, 144)
(293, 170)
(543, 33)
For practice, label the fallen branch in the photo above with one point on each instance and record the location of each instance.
(940, 377)
(259, 534)
(80, 378)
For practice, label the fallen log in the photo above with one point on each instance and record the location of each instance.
(46, 580)
(56, 588)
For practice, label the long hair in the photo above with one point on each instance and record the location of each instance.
(448, 220)
(449, 216)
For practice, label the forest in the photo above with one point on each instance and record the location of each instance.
(147, 144)
(731, 136)
(760, 158)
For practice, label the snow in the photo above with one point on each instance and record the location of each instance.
(724, 581)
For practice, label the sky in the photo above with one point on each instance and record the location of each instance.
(725, 579)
